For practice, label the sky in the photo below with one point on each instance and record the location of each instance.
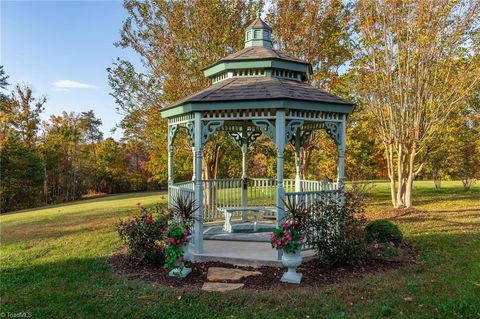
(62, 49)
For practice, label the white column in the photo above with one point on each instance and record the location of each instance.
(280, 142)
(198, 147)
(341, 163)
(341, 152)
(244, 171)
(193, 164)
(170, 166)
(298, 160)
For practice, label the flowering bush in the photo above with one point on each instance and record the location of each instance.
(142, 233)
(385, 249)
(175, 238)
(286, 238)
(383, 231)
(336, 232)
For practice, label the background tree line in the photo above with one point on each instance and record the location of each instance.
(412, 67)
(63, 158)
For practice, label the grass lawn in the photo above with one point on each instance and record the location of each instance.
(53, 265)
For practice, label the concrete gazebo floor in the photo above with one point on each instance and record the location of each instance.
(242, 231)
(241, 249)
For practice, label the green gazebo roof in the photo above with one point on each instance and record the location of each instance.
(259, 77)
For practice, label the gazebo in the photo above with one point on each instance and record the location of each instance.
(256, 91)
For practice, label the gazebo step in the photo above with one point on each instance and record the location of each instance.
(252, 254)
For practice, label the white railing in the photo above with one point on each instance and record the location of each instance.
(309, 198)
(174, 191)
(219, 193)
(312, 186)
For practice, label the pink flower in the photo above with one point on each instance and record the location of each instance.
(180, 258)
(376, 246)
(149, 220)
(392, 244)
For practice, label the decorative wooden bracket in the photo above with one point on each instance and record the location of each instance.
(291, 129)
(251, 137)
(191, 132)
(209, 128)
(267, 128)
(172, 132)
(333, 130)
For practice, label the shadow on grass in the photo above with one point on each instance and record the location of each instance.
(88, 288)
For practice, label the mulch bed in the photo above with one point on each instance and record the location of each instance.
(313, 275)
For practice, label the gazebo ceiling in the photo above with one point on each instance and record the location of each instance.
(259, 77)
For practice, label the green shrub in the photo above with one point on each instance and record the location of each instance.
(143, 234)
(383, 231)
(335, 232)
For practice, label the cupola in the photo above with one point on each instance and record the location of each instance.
(258, 34)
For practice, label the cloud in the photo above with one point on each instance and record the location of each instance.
(62, 90)
(69, 84)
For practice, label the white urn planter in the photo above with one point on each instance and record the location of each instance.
(292, 261)
(182, 273)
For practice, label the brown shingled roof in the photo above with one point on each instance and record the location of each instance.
(259, 53)
(260, 88)
(259, 24)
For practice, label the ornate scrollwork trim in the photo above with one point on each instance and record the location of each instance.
(172, 132)
(267, 128)
(237, 136)
(209, 128)
(191, 132)
(291, 129)
(240, 140)
(333, 130)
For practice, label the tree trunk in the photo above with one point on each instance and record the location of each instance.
(390, 169)
(210, 171)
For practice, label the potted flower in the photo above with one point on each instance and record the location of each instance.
(287, 239)
(176, 251)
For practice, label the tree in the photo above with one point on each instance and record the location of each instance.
(416, 62)
(318, 32)
(20, 115)
(3, 84)
(111, 167)
(464, 147)
(174, 40)
(21, 175)
(3, 78)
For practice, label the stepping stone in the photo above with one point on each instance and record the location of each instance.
(220, 286)
(230, 274)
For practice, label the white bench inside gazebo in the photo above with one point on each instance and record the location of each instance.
(256, 91)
